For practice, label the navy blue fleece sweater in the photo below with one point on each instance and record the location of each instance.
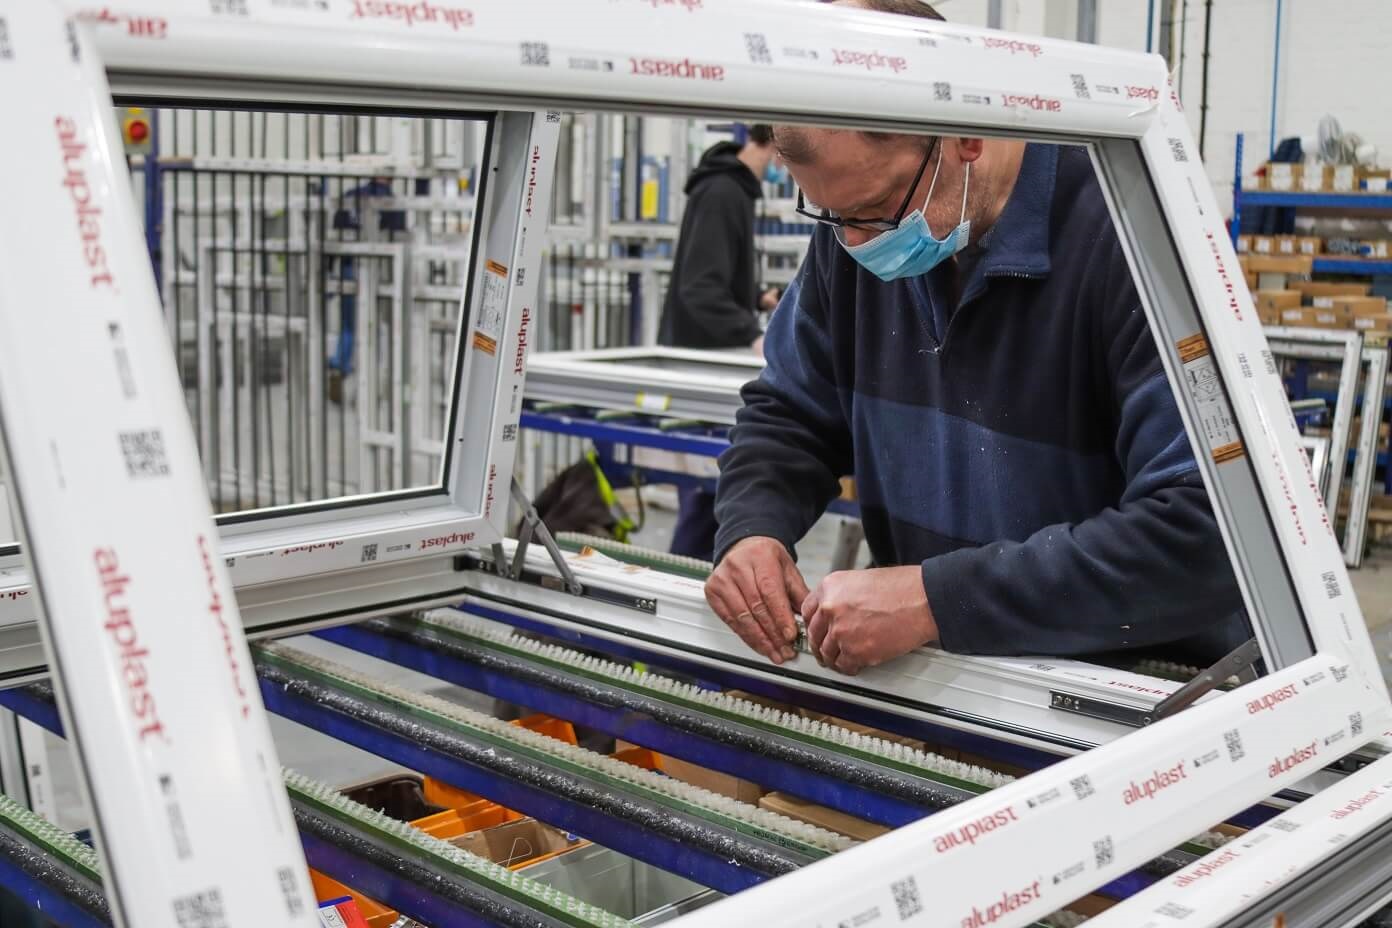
(1009, 427)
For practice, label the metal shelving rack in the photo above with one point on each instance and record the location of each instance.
(1327, 264)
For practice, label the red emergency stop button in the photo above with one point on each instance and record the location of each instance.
(137, 131)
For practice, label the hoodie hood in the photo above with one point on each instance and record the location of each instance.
(723, 158)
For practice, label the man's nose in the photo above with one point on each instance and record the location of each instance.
(856, 236)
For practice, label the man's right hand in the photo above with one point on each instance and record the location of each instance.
(753, 591)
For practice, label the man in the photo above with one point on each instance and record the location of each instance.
(965, 338)
(711, 299)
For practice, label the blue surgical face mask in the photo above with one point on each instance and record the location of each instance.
(910, 249)
(775, 174)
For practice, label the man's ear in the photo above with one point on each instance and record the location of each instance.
(969, 149)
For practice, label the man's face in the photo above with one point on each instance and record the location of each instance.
(858, 178)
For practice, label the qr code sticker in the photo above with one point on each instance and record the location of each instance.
(942, 91)
(554, 118)
(1178, 152)
(200, 910)
(230, 8)
(536, 54)
(521, 276)
(1340, 673)
(1080, 87)
(1232, 739)
(1175, 910)
(510, 432)
(290, 892)
(756, 43)
(1281, 824)
(906, 898)
(1331, 584)
(1082, 786)
(369, 553)
(144, 453)
(1103, 852)
(1356, 723)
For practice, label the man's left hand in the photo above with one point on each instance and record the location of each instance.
(860, 618)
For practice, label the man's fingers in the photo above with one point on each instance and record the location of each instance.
(735, 612)
(779, 611)
(817, 626)
(796, 586)
(747, 579)
(830, 650)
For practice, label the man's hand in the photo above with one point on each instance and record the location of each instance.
(768, 300)
(753, 591)
(860, 618)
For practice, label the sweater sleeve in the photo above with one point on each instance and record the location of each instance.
(791, 443)
(719, 228)
(1151, 569)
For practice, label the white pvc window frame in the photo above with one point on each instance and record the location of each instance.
(749, 58)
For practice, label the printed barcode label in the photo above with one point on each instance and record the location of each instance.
(510, 432)
(1206, 390)
(290, 892)
(1356, 723)
(1103, 852)
(200, 910)
(1177, 150)
(1281, 824)
(942, 91)
(1232, 739)
(1339, 673)
(369, 553)
(1080, 87)
(756, 43)
(1082, 786)
(1331, 584)
(492, 304)
(536, 54)
(144, 453)
(1175, 910)
(906, 898)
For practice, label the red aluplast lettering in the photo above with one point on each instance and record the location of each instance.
(413, 14)
(142, 27)
(1271, 699)
(690, 5)
(1205, 869)
(1014, 46)
(1292, 760)
(519, 360)
(1152, 785)
(1229, 288)
(130, 652)
(1289, 497)
(870, 61)
(970, 832)
(16, 594)
(1356, 805)
(1036, 102)
(85, 210)
(999, 908)
(1142, 93)
(444, 541)
(229, 645)
(684, 68)
(488, 494)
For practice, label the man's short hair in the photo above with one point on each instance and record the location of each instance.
(794, 145)
(761, 134)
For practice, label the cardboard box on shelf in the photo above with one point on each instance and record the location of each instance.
(1268, 316)
(1374, 180)
(1375, 323)
(1244, 244)
(1303, 317)
(1251, 278)
(1313, 288)
(1343, 178)
(830, 819)
(1280, 264)
(1283, 176)
(1329, 319)
(518, 842)
(1284, 244)
(1353, 307)
(1262, 245)
(1277, 300)
(1309, 244)
(1315, 177)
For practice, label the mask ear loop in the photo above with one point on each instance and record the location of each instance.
(932, 183)
(966, 185)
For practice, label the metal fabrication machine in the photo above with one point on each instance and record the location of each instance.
(1014, 788)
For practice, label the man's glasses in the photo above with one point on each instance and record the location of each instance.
(826, 217)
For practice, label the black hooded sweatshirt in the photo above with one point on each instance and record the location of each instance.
(711, 298)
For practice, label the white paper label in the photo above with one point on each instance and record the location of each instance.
(492, 307)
